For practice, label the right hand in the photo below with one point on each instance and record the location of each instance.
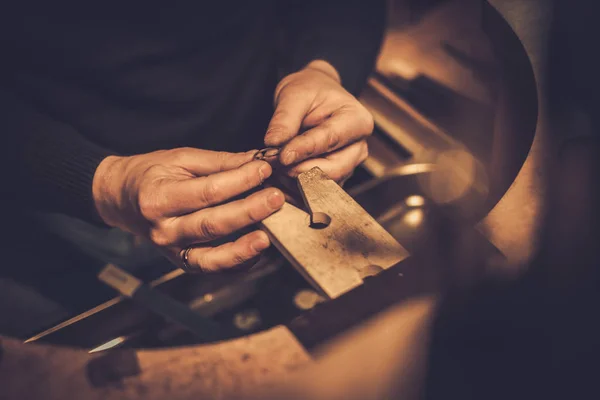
(179, 198)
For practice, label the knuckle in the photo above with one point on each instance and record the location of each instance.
(310, 147)
(255, 215)
(258, 208)
(365, 152)
(250, 179)
(284, 83)
(154, 171)
(221, 159)
(178, 152)
(333, 138)
(251, 210)
(160, 238)
(367, 122)
(336, 174)
(179, 155)
(239, 258)
(210, 191)
(279, 114)
(222, 156)
(208, 229)
(203, 263)
(252, 176)
(250, 251)
(340, 97)
(278, 126)
(148, 205)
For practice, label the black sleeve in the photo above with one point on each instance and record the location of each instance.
(46, 164)
(347, 34)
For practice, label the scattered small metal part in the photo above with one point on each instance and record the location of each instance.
(111, 344)
(247, 320)
(267, 153)
(306, 299)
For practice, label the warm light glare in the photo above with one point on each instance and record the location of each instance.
(457, 173)
(108, 345)
(413, 218)
(415, 201)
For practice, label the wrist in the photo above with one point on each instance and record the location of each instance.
(326, 68)
(104, 182)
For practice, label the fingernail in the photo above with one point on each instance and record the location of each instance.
(264, 172)
(289, 157)
(270, 137)
(272, 142)
(275, 199)
(260, 243)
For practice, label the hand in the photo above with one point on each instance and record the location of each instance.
(178, 198)
(336, 124)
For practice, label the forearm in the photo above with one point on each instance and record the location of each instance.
(47, 165)
(345, 34)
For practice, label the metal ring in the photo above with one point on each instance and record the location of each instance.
(185, 263)
(267, 153)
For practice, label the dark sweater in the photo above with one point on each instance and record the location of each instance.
(83, 80)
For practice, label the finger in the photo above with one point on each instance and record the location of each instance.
(212, 223)
(186, 196)
(337, 165)
(287, 118)
(212, 259)
(203, 162)
(342, 128)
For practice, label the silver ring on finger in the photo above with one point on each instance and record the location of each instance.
(185, 260)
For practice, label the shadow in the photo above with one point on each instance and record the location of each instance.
(465, 120)
(537, 336)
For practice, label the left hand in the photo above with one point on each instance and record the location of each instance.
(333, 123)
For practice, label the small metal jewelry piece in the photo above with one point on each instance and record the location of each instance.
(267, 153)
(185, 264)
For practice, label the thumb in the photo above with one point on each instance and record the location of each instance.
(290, 111)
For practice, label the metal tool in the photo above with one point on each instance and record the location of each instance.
(159, 303)
(267, 154)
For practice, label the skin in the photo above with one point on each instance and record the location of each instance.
(333, 123)
(182, 197)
